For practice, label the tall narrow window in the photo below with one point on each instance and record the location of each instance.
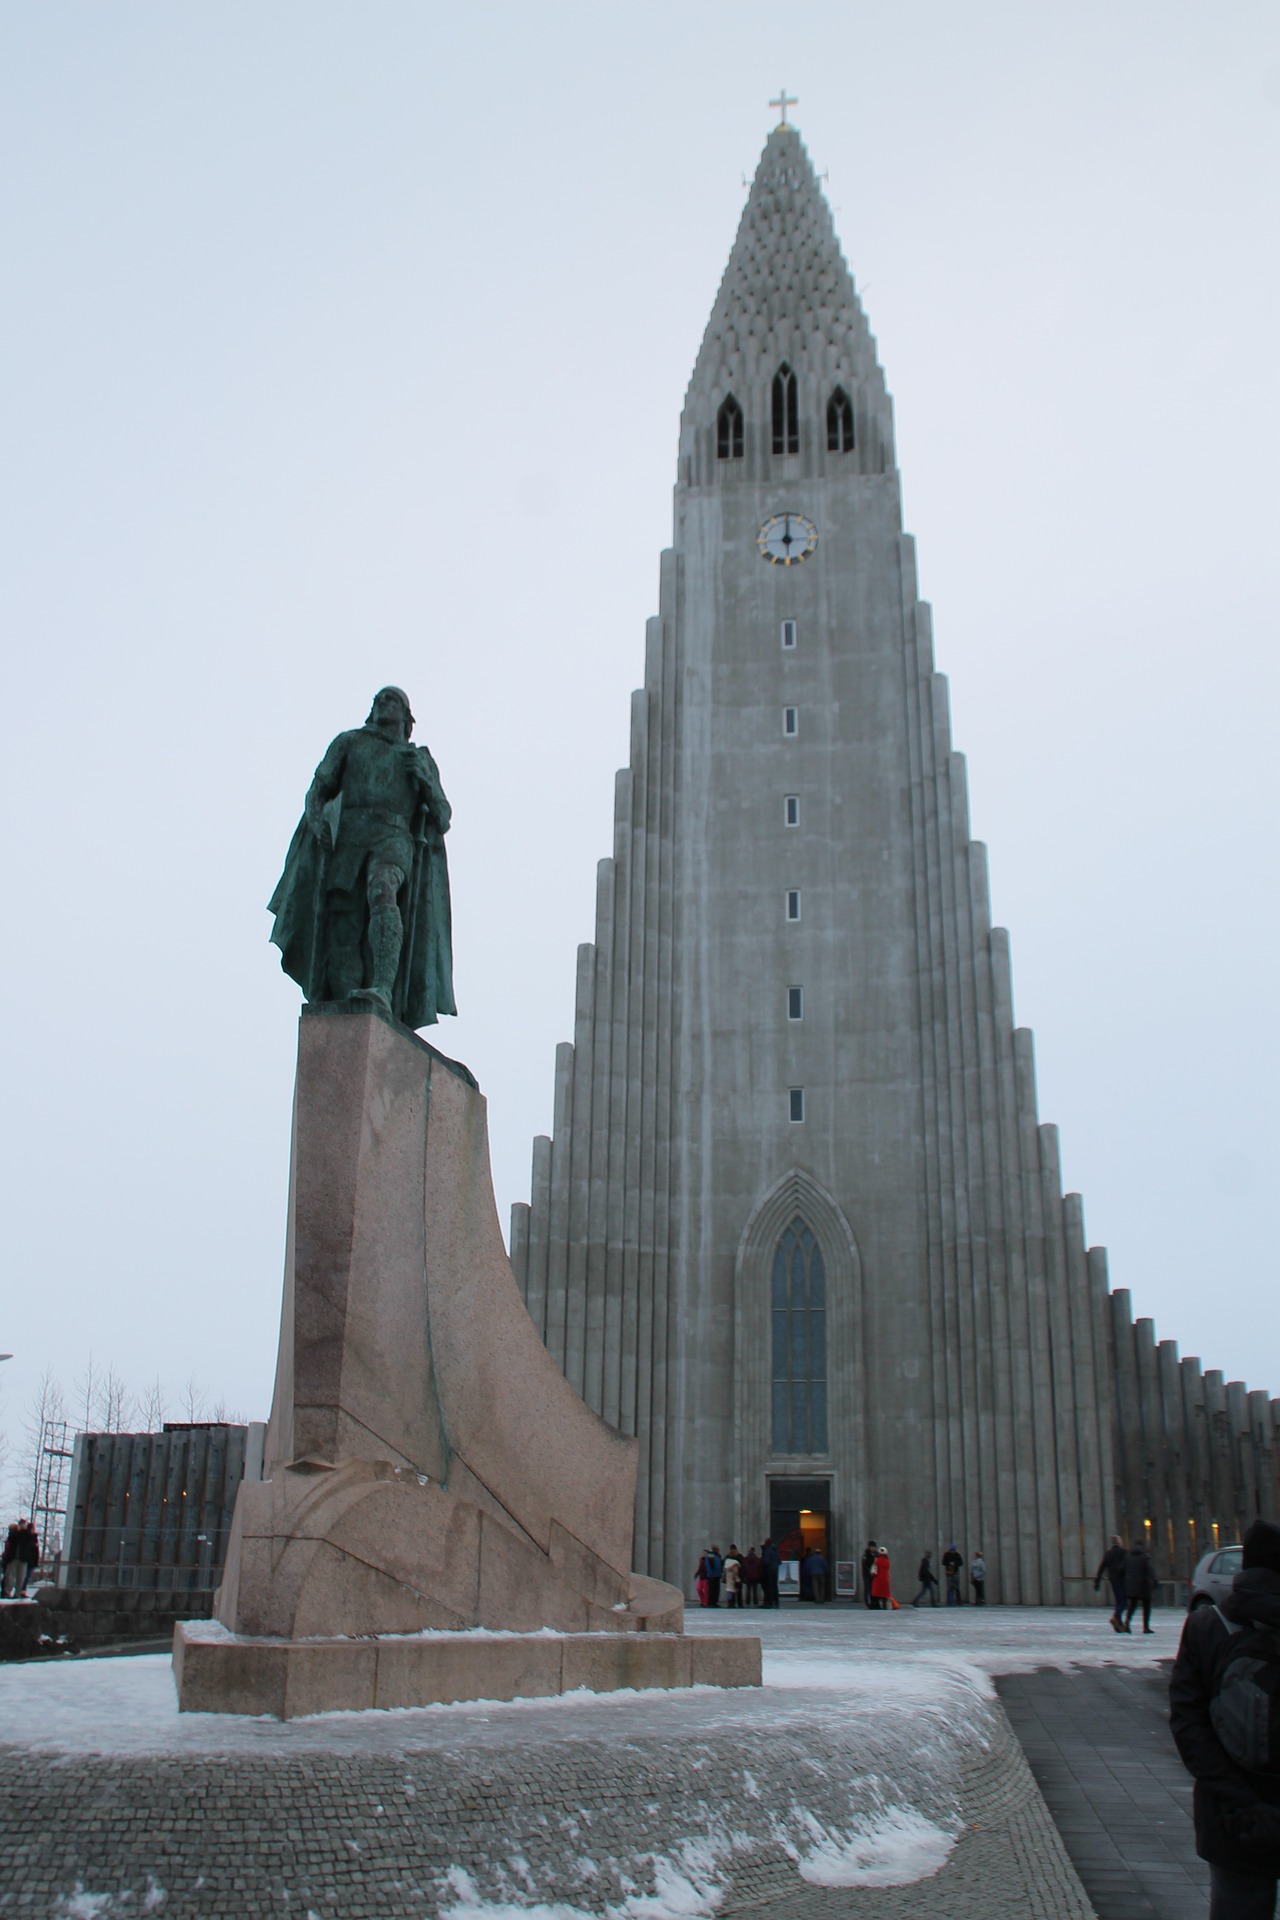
(799, 1296)
(788, 635)
(795, 1003)
(791, 809)
(729, 430)
(790, 720)
(786, 416)
(796, 1097)
(839, 423)
(793, 903)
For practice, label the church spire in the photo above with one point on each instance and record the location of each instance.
(787, 300)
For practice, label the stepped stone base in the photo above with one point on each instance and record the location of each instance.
(221, 1672)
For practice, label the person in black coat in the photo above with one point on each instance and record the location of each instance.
(1111, 1569)
(770, 1562)
(868, 1569)
(1139, 1585)
(1237, 1813)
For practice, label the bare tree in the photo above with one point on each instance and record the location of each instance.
(193, 1401)
(46, 1404)
(87, 1389)
(116, 1403)
(151, 1407)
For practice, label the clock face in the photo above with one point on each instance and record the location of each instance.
(787, 538)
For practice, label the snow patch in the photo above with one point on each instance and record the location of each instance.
(80, 1904)
(898, 1847)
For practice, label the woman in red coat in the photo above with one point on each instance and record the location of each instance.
(880, 1594)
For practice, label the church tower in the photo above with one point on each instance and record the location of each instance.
(799, 1227)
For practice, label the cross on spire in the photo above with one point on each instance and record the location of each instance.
(783, 101)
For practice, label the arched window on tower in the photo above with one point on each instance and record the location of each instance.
(786, 418)
(729, 430)
(799, 1343)
(839, 422)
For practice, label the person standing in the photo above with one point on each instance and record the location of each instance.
(928, 1582)
(881, 1593)
(1234, 1757)
(770, 1562)
(714, 1565)
(951, 1565)
(1139, 1585)
(11, 1561)
(978, 1578)
(732, 1577)
(700, 1579)
(868, 1571)
(813, 1575)
(29, 1549)
(1111, 1569)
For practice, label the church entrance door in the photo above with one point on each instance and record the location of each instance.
(799, 1521)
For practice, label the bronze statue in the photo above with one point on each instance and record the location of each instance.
(362, 908)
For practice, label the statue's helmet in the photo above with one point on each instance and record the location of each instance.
(399, 694)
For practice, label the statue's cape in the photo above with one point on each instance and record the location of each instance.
(424, 985)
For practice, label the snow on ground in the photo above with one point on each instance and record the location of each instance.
(869, 1718)
(935, 1663)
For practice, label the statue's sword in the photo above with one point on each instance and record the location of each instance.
(421, 824)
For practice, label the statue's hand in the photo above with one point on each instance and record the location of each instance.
(322, 831)
(409, 759)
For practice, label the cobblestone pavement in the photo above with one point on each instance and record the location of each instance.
(1098, 1742)
(639, 1806)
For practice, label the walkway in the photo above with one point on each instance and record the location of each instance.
(1099, 1745)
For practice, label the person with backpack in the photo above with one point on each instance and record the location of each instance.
(1139, 1585)
(1224, 1713)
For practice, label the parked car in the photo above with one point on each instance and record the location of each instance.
(1212, 1578)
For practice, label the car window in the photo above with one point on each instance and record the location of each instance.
(1228, 1561)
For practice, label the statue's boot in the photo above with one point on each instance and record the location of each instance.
(386, 938)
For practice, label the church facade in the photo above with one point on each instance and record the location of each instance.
(799, 1227)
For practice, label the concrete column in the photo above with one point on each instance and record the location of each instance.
(1024, 1519)
(1157, 1505)
(557, 1311)
(1128, 1418)
(1175, 1460)
(1221, 1471)
(1246, 1484)
(1264, 1459)
(580, 1160)
(539, 1216)
(1197, 1427)
(1088, 1398)
(923, 800)
(1104, 1365)
(1065, 1406)
(1048, 1514)
(590, 1198)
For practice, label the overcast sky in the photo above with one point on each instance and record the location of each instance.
(344, 344)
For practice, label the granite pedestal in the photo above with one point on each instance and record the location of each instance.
(430, 1470)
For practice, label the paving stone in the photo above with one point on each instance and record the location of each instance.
(1130, 1837)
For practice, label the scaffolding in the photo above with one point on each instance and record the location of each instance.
(49, 1490)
